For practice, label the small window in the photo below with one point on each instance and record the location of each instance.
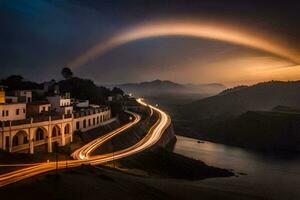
(7, 113)
(77, 125)
(3, 113)
(24, 111)
(89, 122)
(94, 121)
(17, 111)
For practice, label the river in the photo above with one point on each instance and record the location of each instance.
(274, 176)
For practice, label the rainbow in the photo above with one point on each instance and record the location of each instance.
(199, 29)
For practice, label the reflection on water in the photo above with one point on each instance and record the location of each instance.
(275, 176)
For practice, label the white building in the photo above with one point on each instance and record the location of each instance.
(34, 134)
(12, 111)
(39, 129)
(82, 104)
(24, 95)
(61, 104)
(88, 119)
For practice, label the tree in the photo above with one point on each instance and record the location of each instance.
(17, 82)
(117, 90)
(66, 72)
(15, 78)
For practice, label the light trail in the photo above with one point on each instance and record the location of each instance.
(83, 154)
(150, 139)
(80, 153)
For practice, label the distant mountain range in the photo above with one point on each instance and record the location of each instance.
(161, 87)
(263, 116)
(262, 96)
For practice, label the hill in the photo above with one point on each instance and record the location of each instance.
(161, 87)
(259, 130)
(263, 116)
(262, 96)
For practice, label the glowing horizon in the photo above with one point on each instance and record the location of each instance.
(204, 29)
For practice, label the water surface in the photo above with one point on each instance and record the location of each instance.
(274, 176)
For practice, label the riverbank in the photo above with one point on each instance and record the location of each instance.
(166, 164)
(159, 160)
(271, 176)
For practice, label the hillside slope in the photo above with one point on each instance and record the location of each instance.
(263, 96)
(259, 130)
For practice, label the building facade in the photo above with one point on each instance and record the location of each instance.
(24, 95)
(12, 111)
(37, 108)
(61, 104)
(40, 130)
(91, 118)
(28, 135)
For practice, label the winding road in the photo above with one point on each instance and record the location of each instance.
(83, 155)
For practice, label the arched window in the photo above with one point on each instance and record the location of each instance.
(15, 140)
(39, 134)
(55, 131)
(25, 140)
(84, 123)
(20, 138)
(67, 129)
